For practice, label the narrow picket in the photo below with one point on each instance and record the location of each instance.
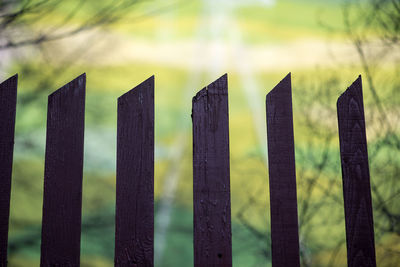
(355, 174)
(282, 176)
(211, 179)
(134, 221)
(8, 102)
(62, 198)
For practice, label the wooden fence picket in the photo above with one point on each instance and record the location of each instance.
(62, 197)
(8, 102)
(134, 221)
(211, 179)
(282, 176)
(355, 174)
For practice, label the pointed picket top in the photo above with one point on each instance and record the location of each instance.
(355, 87)
(219, 86)
(355, 175)
(62, 196)
(10, 80)
(9, 83)
(282, 175)
(134, 235)
(8, 102)
(353, 91)
(73, 87)
(283, 85)
(145, 85)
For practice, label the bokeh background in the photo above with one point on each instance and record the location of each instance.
(187, 45)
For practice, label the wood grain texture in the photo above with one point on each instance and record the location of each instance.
(355, 174)
(134, 222)
(8, 102)
(62, 200)
(211, 179)
(282, 176)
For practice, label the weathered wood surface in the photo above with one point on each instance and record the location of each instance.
(355, 174)
(62, 200)
(282, 176)
(211, 179)
(134, 237)
(8, 102)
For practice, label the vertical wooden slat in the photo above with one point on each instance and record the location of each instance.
(355, 174)
(282, 176)
(8, 102)
(61, 224)
(211, 179)
(134, 236)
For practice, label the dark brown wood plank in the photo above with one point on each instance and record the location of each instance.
(8, 103)
(134, 221)
(211, 179)
(355, 174)
(62, 200)
(282, 176)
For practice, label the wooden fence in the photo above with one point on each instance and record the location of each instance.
(134, 220)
